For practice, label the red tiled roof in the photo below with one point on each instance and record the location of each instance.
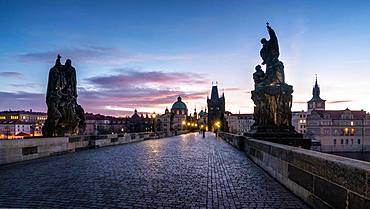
(337, 114)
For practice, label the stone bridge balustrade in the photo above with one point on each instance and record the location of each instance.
(321, 180)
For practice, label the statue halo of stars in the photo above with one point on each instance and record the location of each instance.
(65, 116)
(272, 98)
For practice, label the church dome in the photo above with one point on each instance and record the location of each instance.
(179, 104)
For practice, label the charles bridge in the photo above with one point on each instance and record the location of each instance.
(265, 168)
(185, 171)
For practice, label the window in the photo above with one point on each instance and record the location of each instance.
(341, 141)
(358, 141)
(351, 141)
(334, 141)
(346, 141)
(347, 131)
(2, 117)
(14, 117)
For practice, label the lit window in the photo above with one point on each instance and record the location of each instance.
(351, 123)
(352, 131)
(2, 117)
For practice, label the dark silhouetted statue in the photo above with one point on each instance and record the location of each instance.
(65, 116)
(273, 98)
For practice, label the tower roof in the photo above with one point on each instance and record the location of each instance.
(214, 93)
(316, 93)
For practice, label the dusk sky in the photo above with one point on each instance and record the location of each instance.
(144, 54)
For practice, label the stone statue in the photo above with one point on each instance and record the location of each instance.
(65, 116)
(270, 48)
(272, 96)
(258, 76)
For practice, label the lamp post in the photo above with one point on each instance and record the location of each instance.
(217, 126)
(154, 116)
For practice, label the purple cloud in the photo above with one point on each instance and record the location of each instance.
(116, 94)
(22, 100)
(26, 85)
(130, 78)
(11, 74)
(135, 89)
(96, 55)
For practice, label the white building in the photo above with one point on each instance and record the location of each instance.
(164, 121)
(239, 123)
(299, 121)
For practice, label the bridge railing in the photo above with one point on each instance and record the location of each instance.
(321, 180)
(17, 150)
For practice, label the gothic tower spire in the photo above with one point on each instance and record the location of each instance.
(316, 103)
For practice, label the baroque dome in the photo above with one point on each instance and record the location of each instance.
(179, 104)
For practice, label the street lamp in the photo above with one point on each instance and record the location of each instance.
(153, 117)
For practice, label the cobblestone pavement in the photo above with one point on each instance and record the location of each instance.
(178, 172)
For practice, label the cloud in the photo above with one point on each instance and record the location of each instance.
(339, 101)
(233, 89)
(11, 74)
(96, 55)
(26, 85)
(300, 102)
(126, 90)
(130, 89)
(22, 100)
(130, 78)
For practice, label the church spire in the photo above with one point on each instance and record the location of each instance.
(316, 90)
(316, 102)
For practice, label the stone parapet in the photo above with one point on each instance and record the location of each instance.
(18, 150)
(321, 180)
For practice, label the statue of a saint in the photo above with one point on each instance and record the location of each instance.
(258, 76)
(270, 48)
(65, 116)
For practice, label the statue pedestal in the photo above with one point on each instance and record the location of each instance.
(272, 113)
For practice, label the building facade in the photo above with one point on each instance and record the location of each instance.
(164, 121)
(340, 130)
(299, 121)
(239, 123)
(19, 124)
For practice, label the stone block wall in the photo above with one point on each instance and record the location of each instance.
(321, 180)
(17, 150)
